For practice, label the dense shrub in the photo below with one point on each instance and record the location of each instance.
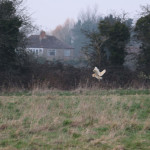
(66, 77)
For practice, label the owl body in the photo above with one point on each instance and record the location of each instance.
(97, 74)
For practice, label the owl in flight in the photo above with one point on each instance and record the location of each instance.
(97, 74)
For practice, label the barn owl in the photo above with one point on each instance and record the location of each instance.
(97, 74)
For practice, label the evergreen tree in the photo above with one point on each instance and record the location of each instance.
(107, 44)
(13, 28)
(117, 34)
(143, 33)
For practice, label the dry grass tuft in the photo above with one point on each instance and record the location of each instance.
(119, 147)
(3, 126)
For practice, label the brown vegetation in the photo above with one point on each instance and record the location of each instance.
(52, 75)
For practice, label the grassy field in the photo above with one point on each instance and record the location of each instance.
(75, 120)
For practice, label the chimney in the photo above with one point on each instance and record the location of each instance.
(42, 35)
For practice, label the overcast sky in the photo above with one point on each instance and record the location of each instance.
(49, 13)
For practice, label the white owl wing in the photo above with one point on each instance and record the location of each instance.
(101, 73)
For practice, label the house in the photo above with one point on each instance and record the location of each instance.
(49, 47)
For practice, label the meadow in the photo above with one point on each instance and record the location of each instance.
(82, 119)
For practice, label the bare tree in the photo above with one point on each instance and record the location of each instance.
(63, 32)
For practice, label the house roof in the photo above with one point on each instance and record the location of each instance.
(51, 42)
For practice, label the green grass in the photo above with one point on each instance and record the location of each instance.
(80, 119)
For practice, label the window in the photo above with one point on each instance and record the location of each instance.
(40, 51)
(51, 52)
(35, 51)
(66, 52)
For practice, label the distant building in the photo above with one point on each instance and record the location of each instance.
(49, 47)
(133, 50)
